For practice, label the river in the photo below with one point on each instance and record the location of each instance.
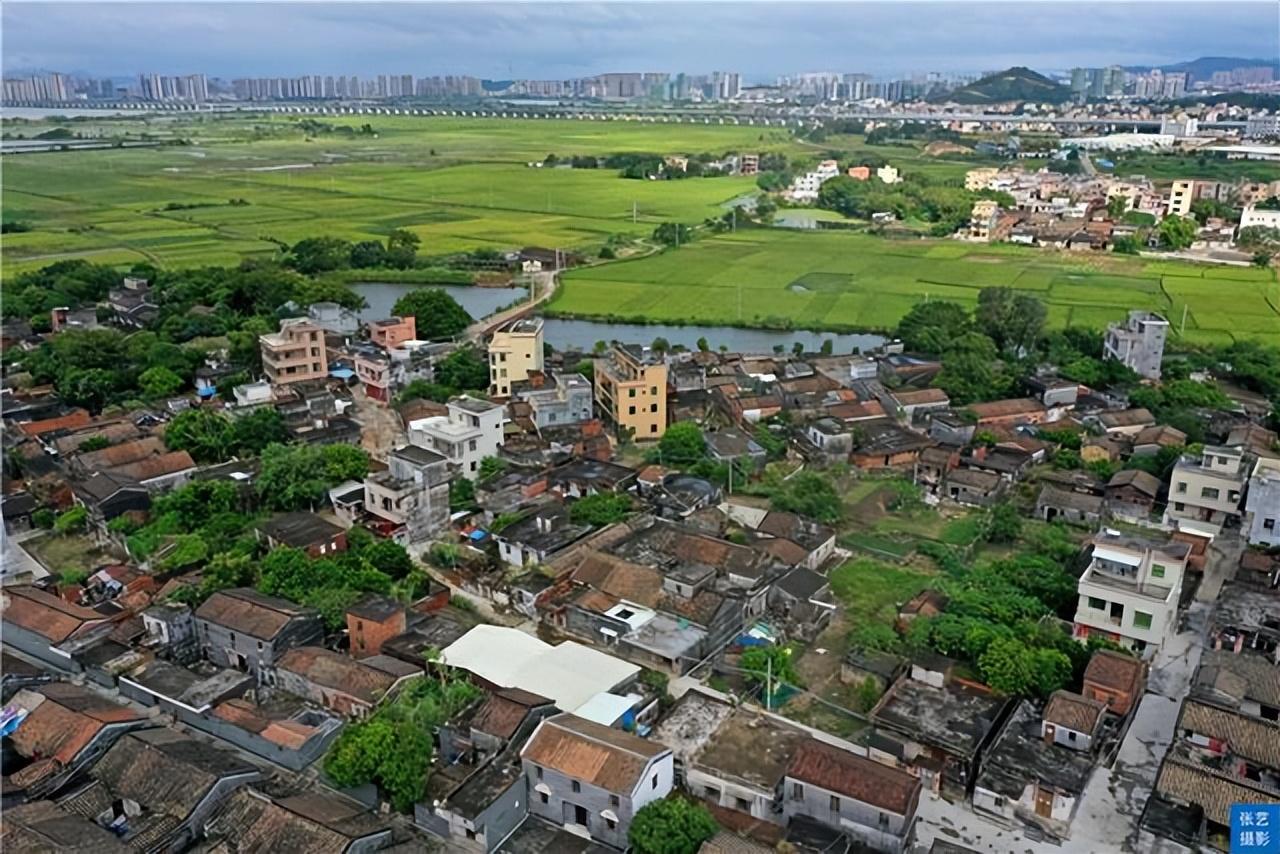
(568, 334)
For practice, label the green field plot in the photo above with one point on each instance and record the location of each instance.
(841, 280)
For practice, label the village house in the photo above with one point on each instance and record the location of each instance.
(314, 534)
(246, 630)
(872, 802)
(1068, 506)
(1132, 493)
(885, 445)
(251, 820)
(593, 778)
(333, 681)
(1207, 489)
(1116, 680)
(1023, 410)
(409, 500)
(1129, 592)
(1126, 422)
(471, 431)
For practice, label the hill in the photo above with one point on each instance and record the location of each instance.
(1013, 84)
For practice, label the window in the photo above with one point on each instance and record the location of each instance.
(502, 357)
(654, 782)
(797, 791)
(543, 797)
(1141, 620)
(1071, 736)
(653, 428)
(1179, 506)
(835, 804)
(577, 787)
(614, 801)
(537, 771)
(259, 646)
(1157, 570)
(1097, 604)
(884, 821)
(610, 823)
(1182, 487)
(743, 804)
(631, 410)
(653, 407)
(1268, 524)
(653, 390)
(631, 392)
(1209, 492)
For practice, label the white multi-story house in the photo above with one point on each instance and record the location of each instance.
(1207, 489)
(1262, 507)
(1129, 592)
(470, 432)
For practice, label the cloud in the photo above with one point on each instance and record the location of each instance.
(559, 40)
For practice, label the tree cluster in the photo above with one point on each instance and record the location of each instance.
(325, 254)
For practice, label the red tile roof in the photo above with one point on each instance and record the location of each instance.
(335, 671)
(64, 719)
(583, 750)
(1073, 711)
(852, 776)
(45, 614)
(1110, 669)
(71, 421)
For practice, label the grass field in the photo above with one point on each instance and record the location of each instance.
(837, 280)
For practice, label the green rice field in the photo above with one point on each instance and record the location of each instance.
(842, 280)
(458, 183)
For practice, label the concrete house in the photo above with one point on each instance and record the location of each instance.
(155, 788)
(515, 351)
(1129, 591)
(470, 432)
(409, 501)
(593, 779)
(1138, 344)
(38, 623)
(1072, 720)
(871, 802)
(567, 400)
(247, 630)
(294, 354)
(1262, 507)
(1208, 489)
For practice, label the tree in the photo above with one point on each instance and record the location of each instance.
(603, 508)
(1116, 206)
(702, 344)
(1126, 245)
(159, 382)
(319, 255)
(682, 444)
(423, 390)
(490, 466)
(91, 388)
(771, 664)
(673, 825)
(1176, 232)
(808, 494)
(766, 209)
(673, 234)
(402, 249)
(206, 434)
(436, 314)
(931, 327)
(1004, 523)
(660, 345)
(389, 557)
(368, 253)
(971, 371)
(252, 432)
(463, 369)
(295, 478)
(1007, 666)
(1014, 321)
(44, 518)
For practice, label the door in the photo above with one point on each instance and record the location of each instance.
(579, 815)
(1044, 803)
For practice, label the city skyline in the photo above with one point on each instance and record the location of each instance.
(551, 41)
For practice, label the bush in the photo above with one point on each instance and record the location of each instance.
(72, 521)
(44, 518)
(671, 826)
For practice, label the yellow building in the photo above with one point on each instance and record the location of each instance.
(515, 351)
(978, 179)
(982, 219)
(1181, 195)
(631, 391)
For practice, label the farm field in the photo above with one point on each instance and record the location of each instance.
(843, 280)
(459, 184)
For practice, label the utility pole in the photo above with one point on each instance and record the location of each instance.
(768, 686)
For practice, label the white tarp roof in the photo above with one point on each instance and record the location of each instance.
(570, 674)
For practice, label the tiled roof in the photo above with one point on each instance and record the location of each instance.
(157, 466)
(599, 755)
(1126, 418)
(71, 421)
(63, 720)
(503, 711)
(335, 671)
(309, 823)
(1147, 484)
(44, 614)
(853, 776)
(1006, 408)
(921, 396)
(1251, 738)
(1073, 711)
(42, 826)
(249, 612)
(118, 455)
(1115, 670)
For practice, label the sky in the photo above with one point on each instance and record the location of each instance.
(573, 39)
